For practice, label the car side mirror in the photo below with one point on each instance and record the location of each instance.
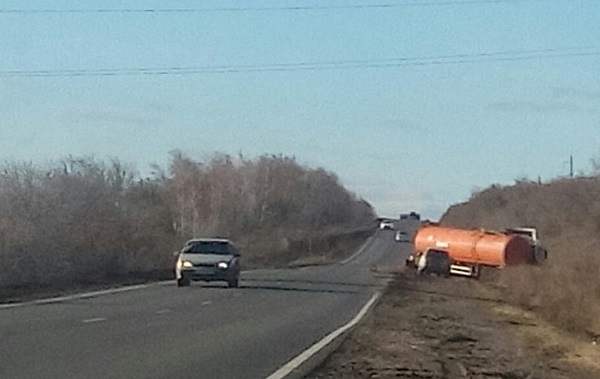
(175, 253)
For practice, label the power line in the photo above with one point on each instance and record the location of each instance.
(484, 57)
(262, 9)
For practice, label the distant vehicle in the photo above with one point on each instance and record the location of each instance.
(468, 250)
(401, 237)
(208, 259)
(410, 216)
(386, 224)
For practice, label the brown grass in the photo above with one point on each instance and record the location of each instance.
(565, 290)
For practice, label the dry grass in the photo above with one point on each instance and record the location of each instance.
(566, 290)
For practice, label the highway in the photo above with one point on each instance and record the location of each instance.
(202, 331)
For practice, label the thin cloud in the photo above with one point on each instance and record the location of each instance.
(574, 92)
(537, 108)
(110, 117)
(390, 201)
(406, 126)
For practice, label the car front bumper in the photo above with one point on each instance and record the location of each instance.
(207, 274)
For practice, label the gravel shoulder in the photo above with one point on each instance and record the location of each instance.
(429, 327)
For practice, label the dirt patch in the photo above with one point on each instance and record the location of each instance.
(541, 335)
(428, 327)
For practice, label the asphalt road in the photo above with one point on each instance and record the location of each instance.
(202, 331)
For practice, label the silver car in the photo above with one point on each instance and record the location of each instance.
(401, 236)
(386, 224)
(208, 259)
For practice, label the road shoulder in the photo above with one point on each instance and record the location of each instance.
(453, 328)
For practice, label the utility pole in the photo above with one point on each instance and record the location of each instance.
(571, 165)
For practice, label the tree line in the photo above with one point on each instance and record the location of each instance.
(80, 219)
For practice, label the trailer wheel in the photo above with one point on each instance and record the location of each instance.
(539, 255)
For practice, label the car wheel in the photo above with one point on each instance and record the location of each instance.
(183, 282)
(234, 282)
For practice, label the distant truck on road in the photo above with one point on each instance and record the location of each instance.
(463, 252)
(410, 216)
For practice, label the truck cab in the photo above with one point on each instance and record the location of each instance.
(540, 254)
(530, 233)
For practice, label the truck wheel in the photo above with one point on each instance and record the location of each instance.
(539, 255)
(183, 282)
(437, 262)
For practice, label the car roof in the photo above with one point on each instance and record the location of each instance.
(221, 240)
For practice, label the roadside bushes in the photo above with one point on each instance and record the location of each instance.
(566, 212)
(79, 220)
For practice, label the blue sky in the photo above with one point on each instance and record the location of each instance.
(403, 137)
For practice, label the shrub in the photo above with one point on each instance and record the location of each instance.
(566, 212)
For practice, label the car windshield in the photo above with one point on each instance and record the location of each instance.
(208, 247)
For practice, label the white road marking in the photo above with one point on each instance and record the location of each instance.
(87, 295)
(11, 305)
(287, 368)
(205, 303)
(163, 311)
(97, 319)
(358, 252)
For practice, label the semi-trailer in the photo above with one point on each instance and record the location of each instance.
(458, 251)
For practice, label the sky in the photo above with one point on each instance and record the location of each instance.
(414, 104)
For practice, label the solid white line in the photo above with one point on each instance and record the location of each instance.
(286, 369)
(358, 252)
(97, 319)
(11, 305)
(87, 295)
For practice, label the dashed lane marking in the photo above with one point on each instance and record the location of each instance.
(92, 320)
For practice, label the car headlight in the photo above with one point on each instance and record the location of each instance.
(223, 265)
(187, 264)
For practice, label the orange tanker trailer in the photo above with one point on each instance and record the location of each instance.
(463, 251)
